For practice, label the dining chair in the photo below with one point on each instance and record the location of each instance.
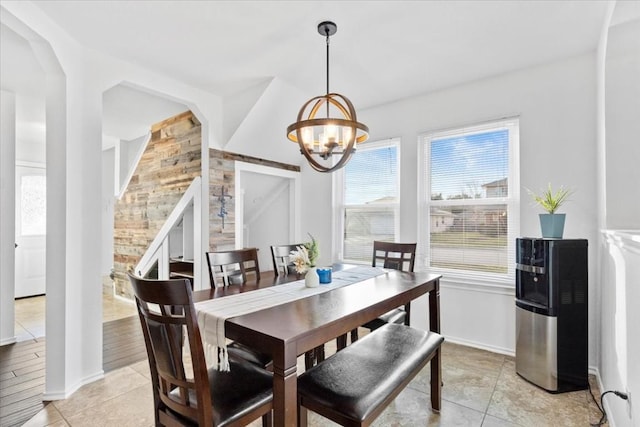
(232, 267)
(280, 255)
(396, 256)
(185, 392)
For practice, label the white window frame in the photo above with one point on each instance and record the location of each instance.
(512, 201)
(338, 199)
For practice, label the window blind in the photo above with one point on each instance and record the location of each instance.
(469, 209)
(370, 200)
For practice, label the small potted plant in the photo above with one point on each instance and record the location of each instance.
(551, 223)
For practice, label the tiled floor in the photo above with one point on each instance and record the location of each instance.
(30, 318)
(480, 389)
(30, 314)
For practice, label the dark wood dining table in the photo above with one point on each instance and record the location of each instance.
(289, 330)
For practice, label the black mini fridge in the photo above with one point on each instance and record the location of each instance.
(551, 313)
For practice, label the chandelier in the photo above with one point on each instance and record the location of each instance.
(335, 134)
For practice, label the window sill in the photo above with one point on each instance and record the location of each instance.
(469, 281)
(478, 282)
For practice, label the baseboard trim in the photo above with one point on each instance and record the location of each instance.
(8, 341)
(61, 395)
(481, 346)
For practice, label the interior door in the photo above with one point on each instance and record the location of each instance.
(31, 231)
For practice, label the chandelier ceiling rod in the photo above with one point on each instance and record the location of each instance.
(326, 30)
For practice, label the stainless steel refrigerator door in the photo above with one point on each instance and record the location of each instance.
(537, 348)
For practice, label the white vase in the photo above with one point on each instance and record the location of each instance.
(311, 279)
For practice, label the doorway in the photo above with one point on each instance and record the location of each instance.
(268, 204)
(31, 230)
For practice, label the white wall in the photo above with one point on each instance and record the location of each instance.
(557, 105)
(108, 201)
(317, 211)
(619, 257)
(130, 152)
(7, 216)
(620, 342)
(622, 109)
(269, 227)
(262, 134)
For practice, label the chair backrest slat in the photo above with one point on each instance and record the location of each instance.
(280, 255)
(397, 256)
(232, 267)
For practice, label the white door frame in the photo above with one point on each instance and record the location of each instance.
(294, 197)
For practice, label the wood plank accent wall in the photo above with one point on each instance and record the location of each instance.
(222, 173)
(169, 164)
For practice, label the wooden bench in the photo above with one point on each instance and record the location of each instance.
(356, 384)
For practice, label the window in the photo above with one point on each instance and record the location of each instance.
(470, 199)
(367, 191)
(33, 205)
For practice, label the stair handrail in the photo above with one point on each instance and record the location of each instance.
(159, 243)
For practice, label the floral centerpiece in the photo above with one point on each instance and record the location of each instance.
(306, 256)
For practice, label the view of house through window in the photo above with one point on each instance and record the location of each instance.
(469, 202)
(370, 192)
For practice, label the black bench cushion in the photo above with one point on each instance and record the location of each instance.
(397, 315)
(357, 381)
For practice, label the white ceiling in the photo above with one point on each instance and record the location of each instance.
(383, 50)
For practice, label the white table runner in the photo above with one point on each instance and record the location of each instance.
(213, 313)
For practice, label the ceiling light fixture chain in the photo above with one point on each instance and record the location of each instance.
(323, 138)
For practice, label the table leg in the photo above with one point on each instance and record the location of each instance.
(341, 342)
(285, 388)
(436, 382)
(436, 365)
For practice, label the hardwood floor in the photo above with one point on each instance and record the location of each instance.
(21, 381)
(123, 343)
(22, 367)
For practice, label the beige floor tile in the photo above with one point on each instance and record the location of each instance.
(412, 408)
(114, 308)
(142, 368)
(30, 313)
(520, 402)
(97, 393)
(469, 357)
(48, 416)
(470, 387)
(490, 421)
(131, 409)
(21, 333)
(469, 376)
